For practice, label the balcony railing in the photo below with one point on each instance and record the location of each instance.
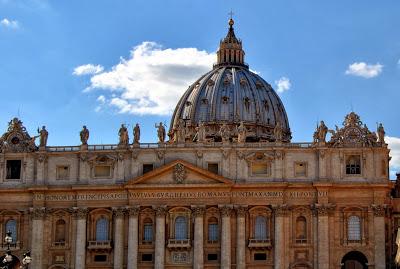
(111, 147)
(59, 244)
(178, 243)
(99, 245)
(13, 246)
(301, 240)
(260, 243)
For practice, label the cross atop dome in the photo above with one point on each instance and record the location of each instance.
(230, 48)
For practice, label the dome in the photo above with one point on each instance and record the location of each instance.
(228, 98)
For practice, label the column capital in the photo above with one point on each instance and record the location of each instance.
(160, 211)
(133, 210)
(198, 211)
(323, 209)
(119, 212)
(241, 210)
(37, 212)
(80, 212)
(280, 210)
(379, 210)
(225, 210)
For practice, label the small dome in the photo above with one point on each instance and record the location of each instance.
(231, 95)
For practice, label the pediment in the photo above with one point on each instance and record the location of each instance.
(179, 172)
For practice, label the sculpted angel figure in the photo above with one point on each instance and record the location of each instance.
(160, 132)
(201, 133)
(278, 132)
(123, 135)
(84, 135)
(242, 132)
(224, 132)
(136, 134)
(43, 134)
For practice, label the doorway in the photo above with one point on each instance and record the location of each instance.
(354, 260)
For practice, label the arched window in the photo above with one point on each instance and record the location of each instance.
(60, 230)
(301, 228)
(102, 229)
(260, 229)
(11, 225)
(148, 231)
(213, 230)
(354, 228)
(180, 228)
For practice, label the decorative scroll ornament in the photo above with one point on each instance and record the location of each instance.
(323, 209)
(160, 210)
(119, 212)
(280, 210)
(198, 211)
(379, 210)
(353, 133)
(17, 139)
(133, 211)
(38, 212)
(241, 211)
(179, 173)
(225, 211)
(80, 212)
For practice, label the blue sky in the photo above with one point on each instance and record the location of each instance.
(310, 44)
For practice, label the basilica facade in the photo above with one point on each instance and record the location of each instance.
(227, 188)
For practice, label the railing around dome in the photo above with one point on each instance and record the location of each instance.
(112, 147)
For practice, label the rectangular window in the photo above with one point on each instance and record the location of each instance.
(259, 169)
(100, 258)
(147, 167)
(353, 165)
(147, 257)
(62, 172)
(213, 167)
(260, 256)
(13, 169)
(148, 233)
(212, 257)
(213, 232)
(300, 169)
(102, 171)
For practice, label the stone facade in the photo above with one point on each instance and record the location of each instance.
(206, 203)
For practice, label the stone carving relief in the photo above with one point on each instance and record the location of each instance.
(179, 173)
(17, 139)
(353, 133)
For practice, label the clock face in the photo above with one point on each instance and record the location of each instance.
(352, 134)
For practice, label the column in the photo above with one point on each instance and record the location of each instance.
(133, 229)
(37, 237)
(226, 211)
(119, 237)
(379, 235)
(198, 250)
(323, 211)
(80, 240)
(241, 237)
(279, 245)
(160, 237)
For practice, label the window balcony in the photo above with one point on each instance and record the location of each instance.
(213, 242)
(99, 245)
(59, 245)
(13, 246)
(301, 240)
(178, 244)
(260, 243)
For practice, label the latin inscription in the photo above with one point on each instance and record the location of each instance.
(177, 195)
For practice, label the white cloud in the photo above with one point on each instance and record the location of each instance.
(283, 84)
(87, 69)
(153, 79)
(12, 24)
(394, 145)
(364, 70)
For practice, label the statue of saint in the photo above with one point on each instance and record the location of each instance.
(224, 132)
(84, 134)
(123, 135)
(160, 132)
(381, 133)
(43, 134)
(278, 132)
(322, 131)
(181, 131)
(136, 134)
(242, 133)
(201, 132)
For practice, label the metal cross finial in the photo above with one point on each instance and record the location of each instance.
(231, 14)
